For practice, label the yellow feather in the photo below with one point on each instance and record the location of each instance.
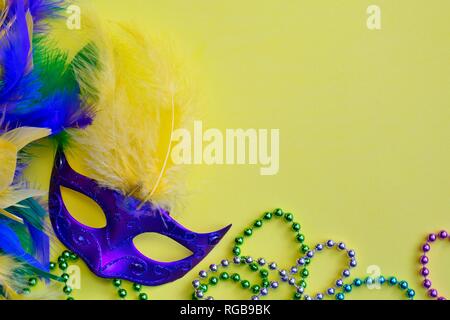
(142, 99)
(10, 144)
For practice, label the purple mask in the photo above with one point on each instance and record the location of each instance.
(109, 252)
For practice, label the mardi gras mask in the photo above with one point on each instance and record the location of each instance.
(109, 252)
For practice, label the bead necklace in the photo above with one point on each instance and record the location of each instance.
(424, 260)
(339, 290)
(63, 264)
(330, 244)
(346, 289)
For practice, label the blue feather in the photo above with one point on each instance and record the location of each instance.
(47, 96)
(10, 245)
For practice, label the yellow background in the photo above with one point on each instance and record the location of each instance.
(364, 119)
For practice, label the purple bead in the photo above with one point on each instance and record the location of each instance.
(274, 284)
(330, 291)
(443, 234)
(424, 260)
(310, 254)
(339, 283)
(264, 292)
(330, 243)
(283, 273)
(351, 253)
(213, 267)
(346, 273)
(225, 263)
(319, 296)
(426, 284)
(341, 246)
(203, 274)
(441, 299)
(300, 290)
(433, 293)
(424, 271)
(319, 247)
(301, 261)
(426, 247)
(432, 237)
(353, 263)
(294, 270)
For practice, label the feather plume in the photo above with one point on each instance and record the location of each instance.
(10, 144)
(38, 87)
(141, 99)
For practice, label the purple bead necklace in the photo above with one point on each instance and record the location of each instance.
(424, 260)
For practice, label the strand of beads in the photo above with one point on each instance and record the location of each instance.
(215, 276)
(63, 264)
(346, 289)
(424, 260)
(285, 276)
(306, 260)
(123, 293)
(267, 217)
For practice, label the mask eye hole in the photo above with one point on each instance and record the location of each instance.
(160, 248)
(83, 209)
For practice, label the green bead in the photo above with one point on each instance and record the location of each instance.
(63, 266)
(236, 277)
(213, 281)
(66, 254)
(26, 291)
(300, 238)
(67, 290)
(289, 217)
(245, 284)
(143, 296)
(239, 241)
(278, 212)
(307, 261)
(267, 216)
(403, 285)
(117, 283)
(264, 273)
(256, 289)
(253, 266)
(258, 224)
(297, 296)
(248, 232)
(265, 283)
(296, 227)
(224, 276)
(61, 259)
(32, 282)
(340, 296)
(73, 257)
(65, 277)
(302, 283)
(204, 287)
(305, 273)
(52, 266)
(237, 251)
(304, 248)
(70, 299)
(137, 287)
(122, 293)
(393, 281)
(357, 282)
(348, 288)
